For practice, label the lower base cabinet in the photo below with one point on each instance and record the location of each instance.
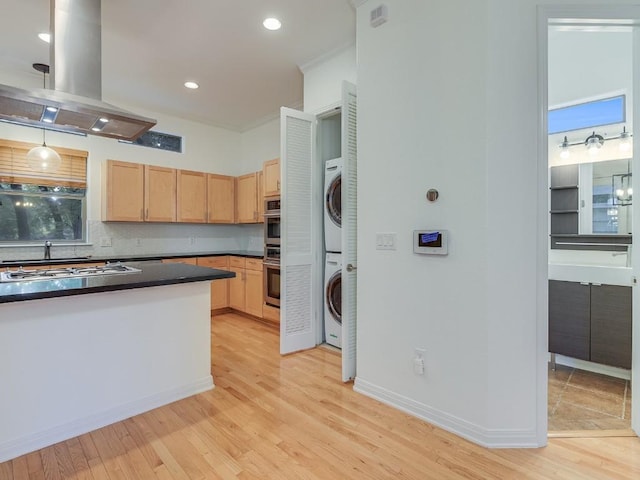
(590, 322)
(219, 288)
(246, 289)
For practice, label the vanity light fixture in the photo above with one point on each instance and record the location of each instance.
(564, 152)
(625, 140)
(594, 143)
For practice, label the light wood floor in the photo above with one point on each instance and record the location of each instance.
(273, 417)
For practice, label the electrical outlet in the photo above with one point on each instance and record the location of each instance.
(192, 240)
(105, 242)
(138, 242)
(418, 361)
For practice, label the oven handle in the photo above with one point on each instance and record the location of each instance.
(271, 264)
(271, 215)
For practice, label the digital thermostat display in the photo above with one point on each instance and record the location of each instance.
(430, 242)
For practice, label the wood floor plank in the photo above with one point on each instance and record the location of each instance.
(291, 417)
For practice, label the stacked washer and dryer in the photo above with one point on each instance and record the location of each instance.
(333, 248)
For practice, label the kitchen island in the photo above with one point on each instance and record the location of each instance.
(80, 353)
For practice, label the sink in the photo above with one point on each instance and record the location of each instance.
(591, 274)
(42, 260)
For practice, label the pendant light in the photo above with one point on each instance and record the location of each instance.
(43, 158)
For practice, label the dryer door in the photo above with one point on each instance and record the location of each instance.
(334, 296)
(333, 200)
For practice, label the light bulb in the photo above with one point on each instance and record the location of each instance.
(564, 146)
(272, 24)
(43, 159)
(629, 191)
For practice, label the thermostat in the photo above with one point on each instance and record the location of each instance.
(430, 242)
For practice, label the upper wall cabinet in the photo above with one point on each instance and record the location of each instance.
(271, 174)
(247, 188)
(221, 194)
(192, 196)
(122, 191)
(159, 194)
(133, 192)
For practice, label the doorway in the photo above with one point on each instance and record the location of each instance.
(587, 393)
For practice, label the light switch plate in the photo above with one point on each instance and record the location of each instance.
(386, 241)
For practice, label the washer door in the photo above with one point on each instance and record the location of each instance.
(334, 296)
(333, 200)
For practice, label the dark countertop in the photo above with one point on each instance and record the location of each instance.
(127, 258)
(152, 275)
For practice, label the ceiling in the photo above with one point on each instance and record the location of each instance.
(151, 47)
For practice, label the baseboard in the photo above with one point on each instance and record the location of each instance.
(36, 441)
(490, 438)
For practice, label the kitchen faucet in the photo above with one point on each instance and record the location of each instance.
(47, 250)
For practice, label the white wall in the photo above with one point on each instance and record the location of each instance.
(448, 98)
(258, 145)
(323, 78)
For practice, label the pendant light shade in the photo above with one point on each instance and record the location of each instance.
(43, 159)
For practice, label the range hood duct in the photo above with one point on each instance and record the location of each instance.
(76, 81)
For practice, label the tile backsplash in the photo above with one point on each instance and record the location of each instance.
(116, 239)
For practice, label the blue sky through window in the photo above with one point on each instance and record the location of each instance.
(586, 115)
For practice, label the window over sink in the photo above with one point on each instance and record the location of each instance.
(37, 206)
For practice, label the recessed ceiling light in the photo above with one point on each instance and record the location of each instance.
(191, 85)
(45, 37)
(272, 24)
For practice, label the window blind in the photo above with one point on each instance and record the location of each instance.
(15, 169)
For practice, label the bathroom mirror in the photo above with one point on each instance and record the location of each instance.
(605, 197)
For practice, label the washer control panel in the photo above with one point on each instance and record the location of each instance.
(430, 242)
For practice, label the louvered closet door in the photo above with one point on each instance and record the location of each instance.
(300, 232)
(349, 230)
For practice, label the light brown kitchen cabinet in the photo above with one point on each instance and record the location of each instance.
(271, 173)
(221, 194)
(247, 198)
(159, 194)
(191, 196)
(245, 290)
(122, 191)
(260, 197)
(253, 290)
(133, 192)
(237, 284)
(219, 288)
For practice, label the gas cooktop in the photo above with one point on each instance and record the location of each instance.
(21, 274)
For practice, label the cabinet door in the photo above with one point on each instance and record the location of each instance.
(271, 174)
(123, 191)
(159, 194)
(247, 198)
(237, 289)
(191, 196)
(569, 319)
(220, 198)
(611, 325)
(219, 288)
(254, 292)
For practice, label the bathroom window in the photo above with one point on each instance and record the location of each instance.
(606, 111)
(37, 206)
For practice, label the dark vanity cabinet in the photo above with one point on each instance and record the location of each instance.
(590, 322)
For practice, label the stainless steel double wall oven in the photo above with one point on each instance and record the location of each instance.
(272, 251)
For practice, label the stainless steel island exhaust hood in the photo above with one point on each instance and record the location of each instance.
(74, 102)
